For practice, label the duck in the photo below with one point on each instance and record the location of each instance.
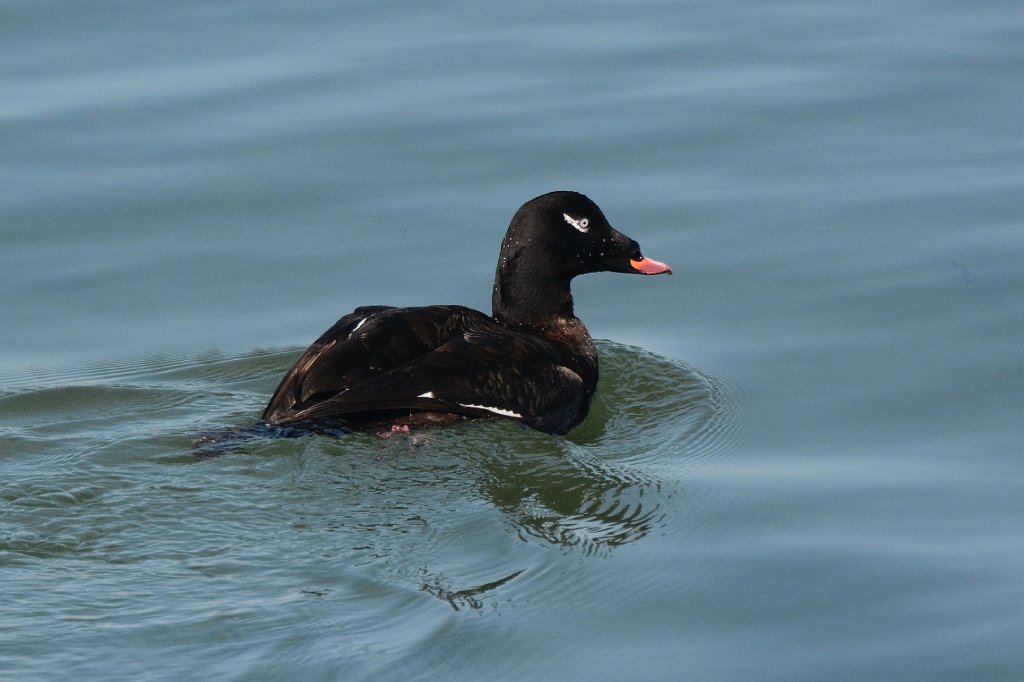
(531, 360)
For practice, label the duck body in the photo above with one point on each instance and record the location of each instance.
(532, 360)
(427, 364)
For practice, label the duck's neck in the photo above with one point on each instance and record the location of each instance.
(530, 293)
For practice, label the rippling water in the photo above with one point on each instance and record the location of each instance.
(803, 462)
(352, 532)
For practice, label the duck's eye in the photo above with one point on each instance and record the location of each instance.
(581, 224)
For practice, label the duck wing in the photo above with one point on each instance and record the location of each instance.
(446, 359)
(366, 343)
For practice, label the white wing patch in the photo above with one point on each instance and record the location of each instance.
(358, 325)
(495, 410)
(581, 224)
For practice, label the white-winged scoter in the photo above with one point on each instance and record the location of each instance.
(532, 360)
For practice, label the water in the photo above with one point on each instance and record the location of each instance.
(804, 458)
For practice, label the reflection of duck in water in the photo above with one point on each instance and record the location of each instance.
(549, 496)
(561, 499)
(533, 361)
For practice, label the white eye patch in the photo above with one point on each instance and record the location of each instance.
(581, 224)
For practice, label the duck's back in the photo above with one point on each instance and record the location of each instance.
(381, 363)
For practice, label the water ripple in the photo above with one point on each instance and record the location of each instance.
(456, 513)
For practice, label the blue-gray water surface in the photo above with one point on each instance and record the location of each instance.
(804, 459)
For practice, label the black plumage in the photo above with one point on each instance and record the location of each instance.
(532, 360)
